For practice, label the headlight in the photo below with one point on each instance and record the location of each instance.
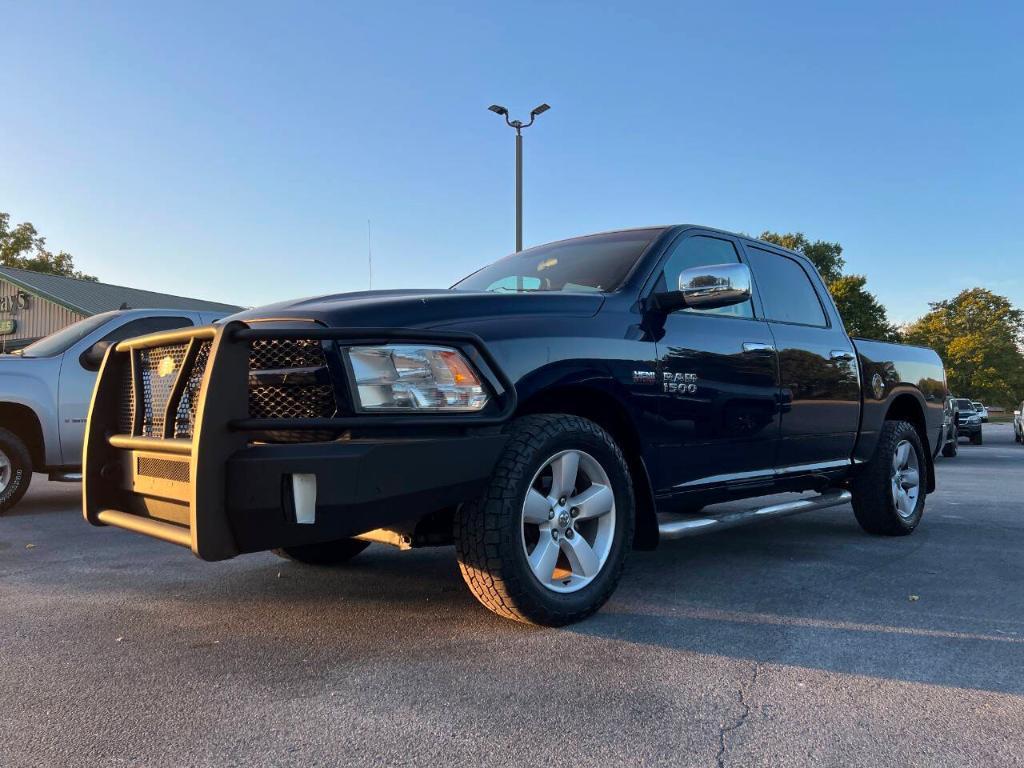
(398, 377)
(974, 419)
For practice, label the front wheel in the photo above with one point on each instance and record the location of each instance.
(889, 493)
(547, 542)
(15, 469)
(976, 439)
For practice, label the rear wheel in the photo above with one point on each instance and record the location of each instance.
(325, 553)
(547, 542)
(15, 469)
(889, 493)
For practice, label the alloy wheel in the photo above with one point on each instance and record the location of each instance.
(906, 479)
(568, 521)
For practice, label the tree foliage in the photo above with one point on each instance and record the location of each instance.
(979, 336)
(863, 315)
(24, 248)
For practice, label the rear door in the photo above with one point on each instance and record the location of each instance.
(817, 364)
(717, 381)
(77, 381)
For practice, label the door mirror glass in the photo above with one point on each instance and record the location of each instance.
(92, 358)
(714, 286)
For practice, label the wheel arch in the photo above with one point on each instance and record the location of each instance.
(606, 410)
(24, 422)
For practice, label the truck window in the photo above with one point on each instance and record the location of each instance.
(701, 251)
(579, 265)
(145, 325)
(785, 288)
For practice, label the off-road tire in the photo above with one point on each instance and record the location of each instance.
(488, 531)
(977, 439)
(872, 489)
(324, 553)
(20, 469)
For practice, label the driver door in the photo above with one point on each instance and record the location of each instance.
(718, 381)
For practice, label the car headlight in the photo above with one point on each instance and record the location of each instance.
(400, 377)
(974, 419)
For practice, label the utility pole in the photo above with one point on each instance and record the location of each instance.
(519, 125)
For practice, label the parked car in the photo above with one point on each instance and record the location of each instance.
(549, 413)
(981, 410)
(950, 437)
(1018, 423)
(45, 390)
(968, 421)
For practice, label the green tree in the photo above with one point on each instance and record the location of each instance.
(979, 336)
(24, 248)
(863, 315)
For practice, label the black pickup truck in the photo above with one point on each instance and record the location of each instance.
(547, 414)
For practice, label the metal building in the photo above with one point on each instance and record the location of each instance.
(33, 305)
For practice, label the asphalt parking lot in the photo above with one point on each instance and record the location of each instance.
(800, 642)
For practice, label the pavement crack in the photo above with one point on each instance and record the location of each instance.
(725, 730)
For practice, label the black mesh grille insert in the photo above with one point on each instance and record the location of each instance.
(185, 416)
(126, 412)
(159, 369)
(289, 379)
(164, 469)
(302, 390)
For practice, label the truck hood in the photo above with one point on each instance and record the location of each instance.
(422, 308)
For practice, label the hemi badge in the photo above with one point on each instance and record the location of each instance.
(644, 377)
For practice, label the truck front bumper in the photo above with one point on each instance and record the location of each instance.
(222, 491)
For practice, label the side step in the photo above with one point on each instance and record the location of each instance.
(678, 527)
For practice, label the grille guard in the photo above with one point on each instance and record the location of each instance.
(187, 504)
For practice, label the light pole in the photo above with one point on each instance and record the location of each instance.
(519, 125)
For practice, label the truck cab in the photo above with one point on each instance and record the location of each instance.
(45, 390)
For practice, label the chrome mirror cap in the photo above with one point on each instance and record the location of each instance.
(717, 285)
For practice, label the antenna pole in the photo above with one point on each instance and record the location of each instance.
(369, 254)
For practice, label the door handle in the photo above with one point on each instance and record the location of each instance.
(841, 354)
(757, 346)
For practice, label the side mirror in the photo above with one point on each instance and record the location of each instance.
(92, 358)
(710, 287)
(1016, 413)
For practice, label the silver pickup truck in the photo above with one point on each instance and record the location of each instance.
(46, 387)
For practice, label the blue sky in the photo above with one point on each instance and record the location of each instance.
(235, 152)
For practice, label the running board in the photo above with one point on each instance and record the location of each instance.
(676, 527)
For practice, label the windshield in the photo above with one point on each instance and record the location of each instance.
(580, 265)
(58, 342)
(965, 405)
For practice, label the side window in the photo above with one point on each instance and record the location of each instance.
(701, 251)
(786, 290)
(145, 325)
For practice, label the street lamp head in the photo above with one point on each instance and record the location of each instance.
(498, 109)
(539, 110)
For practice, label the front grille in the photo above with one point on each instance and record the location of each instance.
(288, 379)
(303, 389)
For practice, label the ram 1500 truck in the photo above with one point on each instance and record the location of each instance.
(45, 390)
(547, 414)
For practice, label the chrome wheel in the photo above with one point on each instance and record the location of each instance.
(906, 479)
(5, 471)
(568, 521)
